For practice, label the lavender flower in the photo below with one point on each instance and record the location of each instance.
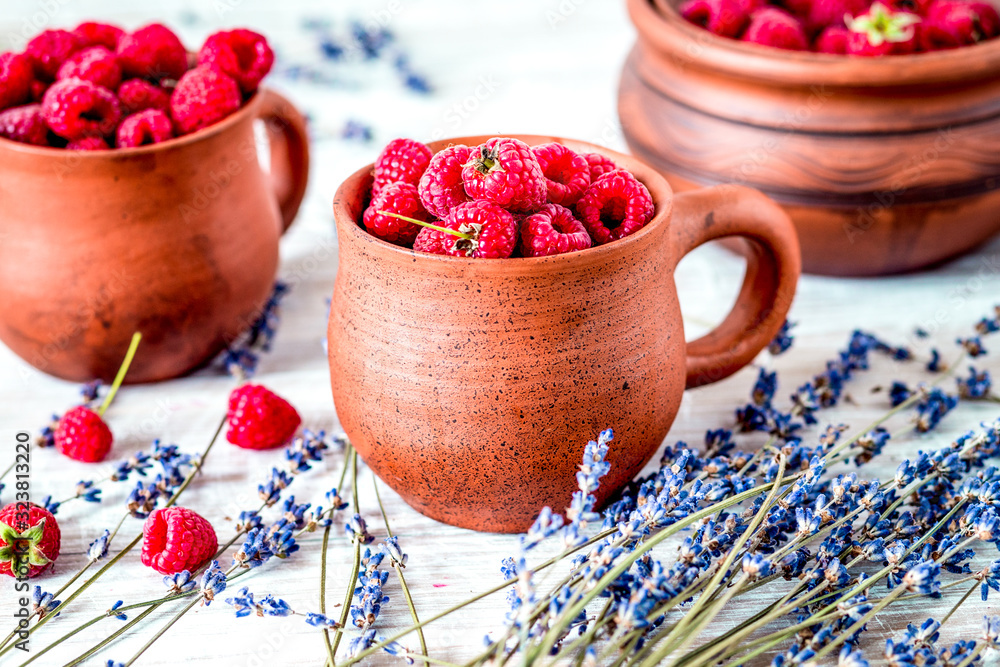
(973, 346)
(932, 408)
(391, 548)
(98, 549)
(213, 582)
(357, 529)
(975, 387)
(321, 621)
(355, 130)
(43, 603)
(241, 358)
(117, 614)
(178, 583)
(783, 340)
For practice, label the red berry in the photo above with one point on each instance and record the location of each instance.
(16, 75)
(138, 95)
(29, 540)
(203, 97)
(722, 17)
(49, 50)
(770, 26)
(882, 32)
(401, 198)
(74, 108)
(38, 89)
(566, 173)
(614, 206)
(599, 165)
(152, 52)
(832, 40)
(506, 172)
(493, 231)
(81, 434)
(176, 539)
(823, 13)
(98, 34)
(259, 418)
(25, 125)
(95, 64)
(551, 231)
(242, 54)
(401, 161)
(144, 128)
(88, 144)
(441, 185)
(953, 23)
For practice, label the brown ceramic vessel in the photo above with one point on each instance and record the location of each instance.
(471, 387)
(884, 164)
(178, 241)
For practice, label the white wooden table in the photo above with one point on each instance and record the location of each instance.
(520, 66)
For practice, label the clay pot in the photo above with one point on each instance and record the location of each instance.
(472, 386)
(177, 240)
(884, 164)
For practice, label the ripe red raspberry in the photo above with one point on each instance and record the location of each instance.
(401, 198)
(770, 26)
(25, 125)
(401, 161)
(49, 50)
(176, 539)
(952, 23)
(833, 39)
(566, 173)
(614, 206)
(88, 144)
(95, 64)
(16, 75)
(493, 232)
(137, 95)
(74, 108)
(259, 418)
(152, 52)
(29, 540)
(823, 13)
(242, 54)
(203, 97)
(441, 186)
(144, 128)
(38, 89)
(722, 17)
(81, 434)
(599, 165)
(506, 172)
(882, 32)
(552, 231)
(98, 34)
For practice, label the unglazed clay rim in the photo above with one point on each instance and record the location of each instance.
(672, 35)
(658, 187)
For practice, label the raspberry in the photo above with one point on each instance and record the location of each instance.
(81, 434)
(614, 206)
(566, 173)
(599, 165)
(506, 172)
(259, 418)
(144, 128)
(95, 64)
(441, 185)
(38, 89)
(152, 52)
(88, 144)
(74, 108)
(952, 23)
(401, 161)
(28, 545)
(823, 13)
(16, 75)
(770, 26)
(722, 17)
(138, 95)
(25, 124)
(49, 50)
(552, 231)
(882, 32)
(401, 198)
(98, 34)
(203, 97)
(493, 232)
(176, 539)
(242, 54)
(832, 40)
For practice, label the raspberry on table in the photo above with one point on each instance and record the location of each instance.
(722, 17)
(203, 97)
(16, 75)
(260, 419)
(566, 173)
(599, 165)
(505, 172)
(144, 128)
(88, 144)
(95, 64)
(441, 186)
(152, 52)
(98, 34)
(28, 544)
(138, 95)
(615, 206)
(770, 26)
(74, 108)
(176, 539)
(25, 125)
(401, 161)
(492, 231)
(242, 54)
(551, 231)
(401, 198)
(81, 434)
(49, 50)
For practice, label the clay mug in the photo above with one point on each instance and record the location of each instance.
(472, 386)
(178, 241)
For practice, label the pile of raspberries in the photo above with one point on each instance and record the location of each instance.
(502, 199)
(849, 27)
(98, 87)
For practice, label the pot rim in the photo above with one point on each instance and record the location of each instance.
(671, 35)
(658, 188)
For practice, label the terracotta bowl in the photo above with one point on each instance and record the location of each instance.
(884, 164)
(472, 386)
(177, 240)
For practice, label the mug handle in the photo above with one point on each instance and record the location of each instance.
(286, 131)
(773, 267)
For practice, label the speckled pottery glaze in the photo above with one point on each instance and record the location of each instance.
(178, 241)
(471, 387)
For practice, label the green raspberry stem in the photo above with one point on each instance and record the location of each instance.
(453, 232)
(129, 356)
